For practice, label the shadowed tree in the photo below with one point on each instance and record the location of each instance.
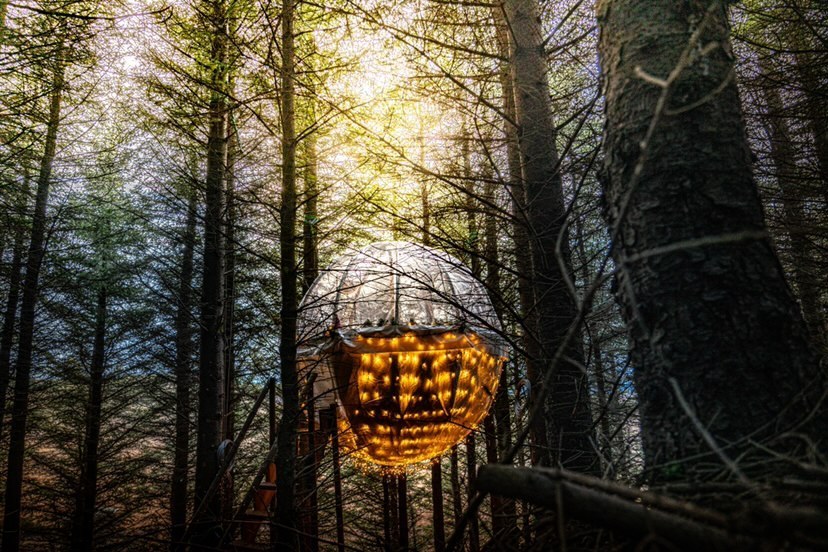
(720, 349)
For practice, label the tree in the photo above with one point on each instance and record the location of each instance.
(566, 411)
(723, 364)
(286, 515)
(23, 366)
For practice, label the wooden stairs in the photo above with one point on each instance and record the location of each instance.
(242, 527)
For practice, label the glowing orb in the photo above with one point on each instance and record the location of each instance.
(405, 339)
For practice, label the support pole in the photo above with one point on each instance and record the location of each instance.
(337, 476)
(471, 464)
(402, 501)
(386, 511)
(437, 506)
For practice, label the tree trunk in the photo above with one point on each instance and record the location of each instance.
(183, 379)
(504, 513)
(727, 359)
(211, 351)
(815, 106)
(9, 317)
(83, 522)
(520, 226)
(310, 226)
(20, 405)
(286, 457)
(230, 281)
(472, 243)
(567, 410)
(804, 267)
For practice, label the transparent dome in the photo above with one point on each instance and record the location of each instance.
(404, 339)
(400, 283)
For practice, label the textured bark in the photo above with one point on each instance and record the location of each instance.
(23, 366)
(566, 408)
(804, 267)
(286, 515)
(83, 521)
(183, 380)
(707, 307)
(211, 350)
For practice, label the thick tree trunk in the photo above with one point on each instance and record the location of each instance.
(286, 516)
(183, 380)
(211, 350)
(566, 408)
(719, 345)
(83, 522)
(20, 405)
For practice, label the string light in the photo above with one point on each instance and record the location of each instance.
(409, 400)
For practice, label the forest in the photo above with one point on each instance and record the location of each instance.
(449, 275)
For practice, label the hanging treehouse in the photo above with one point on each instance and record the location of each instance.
(405, 340)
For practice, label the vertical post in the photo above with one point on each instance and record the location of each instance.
(471, 464)
(312, 517)
(337, 475)
(271, 410)
(271, 431)
(402, 501)
(386, 511)
(437, 506)
(496, 502)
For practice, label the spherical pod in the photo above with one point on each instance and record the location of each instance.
(405, 340)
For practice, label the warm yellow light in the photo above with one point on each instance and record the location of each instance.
(426, 393)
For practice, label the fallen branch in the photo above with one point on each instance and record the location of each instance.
(625, 510)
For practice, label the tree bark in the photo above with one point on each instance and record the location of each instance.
(211, 350)
(83, 522)
(20, 405)
(726, 359)
(566, 408)
(183, 380)
(286, 514)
